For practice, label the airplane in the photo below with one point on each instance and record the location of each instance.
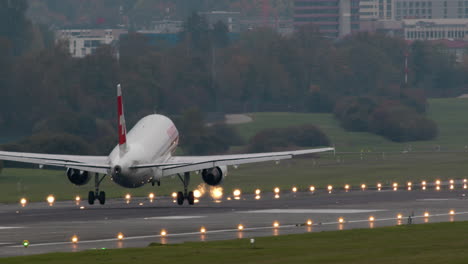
(145, 155)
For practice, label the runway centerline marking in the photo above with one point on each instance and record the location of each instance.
(436, 199)
(10, 227)
(312, 211)
(175, 217)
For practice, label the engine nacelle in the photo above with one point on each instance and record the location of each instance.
(78, 177)
(214, 176)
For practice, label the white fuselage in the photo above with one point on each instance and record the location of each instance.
(152, 140)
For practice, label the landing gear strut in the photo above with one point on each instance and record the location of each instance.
(97, 195)
(181, 196)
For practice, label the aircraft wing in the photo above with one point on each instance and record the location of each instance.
(181, 164)
(98, 164)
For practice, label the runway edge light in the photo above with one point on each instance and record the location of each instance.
(23, 202)
(276, 224)
(50, 199)
(252, 242)
(25, 243)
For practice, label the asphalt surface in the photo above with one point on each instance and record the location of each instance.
(50, 228)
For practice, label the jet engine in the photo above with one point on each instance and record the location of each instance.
(214, 176)
(78, 177)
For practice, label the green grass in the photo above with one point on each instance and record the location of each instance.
(36, 185)
(448, 113)
(350, 170)
(339, 170)
(425, 243)
(344, 169)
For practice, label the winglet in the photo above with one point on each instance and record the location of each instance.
(121, 121)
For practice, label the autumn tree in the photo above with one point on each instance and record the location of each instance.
(14, 25)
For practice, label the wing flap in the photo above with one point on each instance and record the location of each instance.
(182, 164)
(99, 164)
(211, 164)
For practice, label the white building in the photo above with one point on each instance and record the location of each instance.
(367, 9)
(83, 42)
(434, 29)
(375, 9)
(430, 9)
(167, 26)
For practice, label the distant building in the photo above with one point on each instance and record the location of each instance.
(430, 9)
(368, 10)
(375, 10)
(283, 26)
(83, 42)
(388, 27)
(434, 29)
(334, 18)
(167, 26)
(231, 19)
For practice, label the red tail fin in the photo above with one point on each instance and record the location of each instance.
(121, 121)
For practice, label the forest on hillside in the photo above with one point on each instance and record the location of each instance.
(71, 102)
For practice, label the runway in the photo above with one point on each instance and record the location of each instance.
(50, 228)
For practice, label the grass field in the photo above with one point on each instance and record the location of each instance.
(448, 113)
(424, 243)
(37, 184)
(337, 170)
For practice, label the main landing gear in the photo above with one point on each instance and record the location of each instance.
(181, 196)
(97, 195)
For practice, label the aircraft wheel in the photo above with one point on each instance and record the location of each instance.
(191, 198)
(180, 198)
(91, 197)
(102, 198)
